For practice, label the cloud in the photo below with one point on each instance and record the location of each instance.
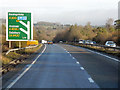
(64, 11)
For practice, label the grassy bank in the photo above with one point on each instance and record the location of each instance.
(6, 59)
(100, 49)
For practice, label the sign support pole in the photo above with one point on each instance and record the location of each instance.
(10, 44)
(19, 44)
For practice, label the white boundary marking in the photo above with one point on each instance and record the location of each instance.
(105, 55)
(77, 62)
(73, 58)
(82, 68)
(11, 84)
(99, 54)
(91, 80)
(23, 11)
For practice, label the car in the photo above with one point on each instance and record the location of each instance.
(50, 42)
(60, 41)
(81, 42)
(90, 42)
(110, 43)
(87, 41)
(94, 42)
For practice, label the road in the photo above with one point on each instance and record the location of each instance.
(66, 66)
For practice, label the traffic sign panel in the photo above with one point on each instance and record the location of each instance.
(19, 26)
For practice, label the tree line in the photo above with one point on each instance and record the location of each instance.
(88, 32)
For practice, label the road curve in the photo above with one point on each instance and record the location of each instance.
(54, 68)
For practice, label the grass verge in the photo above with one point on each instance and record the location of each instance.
(6, 59)
(108, 51)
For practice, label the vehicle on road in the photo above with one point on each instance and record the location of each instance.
(94, 42)
(90, 42)
(110, 43)
(60, 41)
(50, 42)
(44, 41)
(81, 41)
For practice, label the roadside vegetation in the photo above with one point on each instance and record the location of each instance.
(88, 32)
(58, 32)
(21, 54)
(98, 48)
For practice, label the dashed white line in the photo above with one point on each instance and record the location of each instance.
(73, 58)
(65, 49)
(77, 62)
(67, 52)
(11, 84)
(91, 80)
(82, 68)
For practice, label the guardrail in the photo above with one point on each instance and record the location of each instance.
(105, 47)
(19, 49)
(13, 63)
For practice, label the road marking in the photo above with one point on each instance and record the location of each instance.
(73, 58)
(91, 80)
(70, 54)
(77, 62)
(11, 84)
(105, 55)
(64, 49)
(82, 68)
(67, 51)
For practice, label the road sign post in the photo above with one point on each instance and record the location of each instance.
(10, 44)
(19, 44)
(19, 26)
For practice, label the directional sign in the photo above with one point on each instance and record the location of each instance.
(19, 26)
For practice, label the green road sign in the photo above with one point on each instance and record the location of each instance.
(19, 26)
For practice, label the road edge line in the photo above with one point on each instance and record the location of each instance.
(11, 84)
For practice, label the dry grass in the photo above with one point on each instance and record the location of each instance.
(109, 51)
(15, 55)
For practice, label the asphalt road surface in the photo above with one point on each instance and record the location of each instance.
(66, 66)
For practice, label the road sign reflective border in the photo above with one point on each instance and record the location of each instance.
(19, 26)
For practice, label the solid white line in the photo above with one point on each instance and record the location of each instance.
(70, 54)
(91, 80)
(11, 84)
(105, 56)
(82, 68)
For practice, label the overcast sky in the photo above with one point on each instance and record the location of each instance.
(64, 11)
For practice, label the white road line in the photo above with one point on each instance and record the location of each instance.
(77, 62)
(91, 80)
(70, 54)
(82, 68)
(105, 55)
(11, 84)
(67, 51)
(73, 58)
